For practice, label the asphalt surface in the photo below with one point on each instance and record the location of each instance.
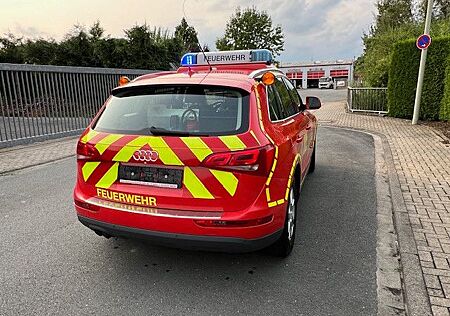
(51, 264)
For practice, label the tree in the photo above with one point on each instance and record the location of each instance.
(251, 29)
(76, 48)
(11, 49)
(187, 36)
(393, 14)
(96, 31)
(40, 51)
(441, 9)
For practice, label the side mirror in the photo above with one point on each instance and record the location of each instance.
(313, 103)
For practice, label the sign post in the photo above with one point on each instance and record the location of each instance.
(423, 42)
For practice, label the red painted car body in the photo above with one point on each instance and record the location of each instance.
(234, 188)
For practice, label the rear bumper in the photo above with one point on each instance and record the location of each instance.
(185, 241)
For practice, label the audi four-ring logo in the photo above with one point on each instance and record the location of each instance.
(146, 155)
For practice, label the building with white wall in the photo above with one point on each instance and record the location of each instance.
(307, 74)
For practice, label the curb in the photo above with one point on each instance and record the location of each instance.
(400, 284)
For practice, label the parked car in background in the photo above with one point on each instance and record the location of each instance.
(326, 83)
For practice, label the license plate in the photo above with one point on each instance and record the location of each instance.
(151, 176)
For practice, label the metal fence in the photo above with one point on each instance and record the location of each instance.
(42, 102)
(372, 100)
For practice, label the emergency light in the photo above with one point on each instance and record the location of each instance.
(227, 57)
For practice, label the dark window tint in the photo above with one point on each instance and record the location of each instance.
(203, 110)
(289, 106)
(293, 92)
(275, 108)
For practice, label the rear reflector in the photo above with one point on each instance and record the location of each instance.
(87, 206)
(243, 223)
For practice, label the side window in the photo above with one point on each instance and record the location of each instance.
(294, 94)
(289, 106)
(275, 109)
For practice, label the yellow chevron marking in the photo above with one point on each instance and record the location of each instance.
(109, 177)
(166, 154)
(254, 136)
(88, 168)
(269, 178)
(274, 165)
(233, 142)
(268, 194)
(198, 147)
(275, 161)
(106, 142)
(291, 177)
(272, 204)
(195, 186)
(227, 179)
(258, 102)
(91, 134)
(128, 150)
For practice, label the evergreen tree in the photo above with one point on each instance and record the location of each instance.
(187, 36)
(392, 14)
(251, 29)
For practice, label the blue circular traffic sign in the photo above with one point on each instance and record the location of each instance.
(424, 41)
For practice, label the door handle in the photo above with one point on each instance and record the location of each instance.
(299, 139)
(308, 127)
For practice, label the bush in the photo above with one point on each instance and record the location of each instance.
(444, 114)
(403, 79)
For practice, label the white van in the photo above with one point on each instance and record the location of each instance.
(326, 83)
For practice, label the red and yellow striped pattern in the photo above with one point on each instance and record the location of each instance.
(172, 152)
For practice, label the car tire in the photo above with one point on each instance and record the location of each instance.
(312, 163)
(283, 246)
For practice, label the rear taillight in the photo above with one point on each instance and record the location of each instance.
(87, 151)
(257, 160)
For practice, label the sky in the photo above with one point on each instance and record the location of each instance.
(314, 29)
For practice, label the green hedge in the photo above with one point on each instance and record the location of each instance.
(444, 114)
(403, 79)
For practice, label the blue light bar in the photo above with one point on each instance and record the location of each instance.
(227, 57)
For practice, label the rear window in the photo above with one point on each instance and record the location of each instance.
(194, 110)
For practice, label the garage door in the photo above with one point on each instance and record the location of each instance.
(316, 74)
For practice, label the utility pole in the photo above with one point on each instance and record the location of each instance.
(423, 61)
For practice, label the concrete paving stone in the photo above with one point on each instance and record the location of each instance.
(425, 256)
(440, 311)
(445, 247)
(436, 292)
(440, 301)
(446, 289)
(432, 281)
(427, 264)
(441, 263)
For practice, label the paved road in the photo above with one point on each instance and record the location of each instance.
(51, 264)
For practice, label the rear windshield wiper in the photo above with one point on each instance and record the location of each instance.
(159, 131)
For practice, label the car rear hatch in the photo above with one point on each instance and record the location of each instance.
(175, 147)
